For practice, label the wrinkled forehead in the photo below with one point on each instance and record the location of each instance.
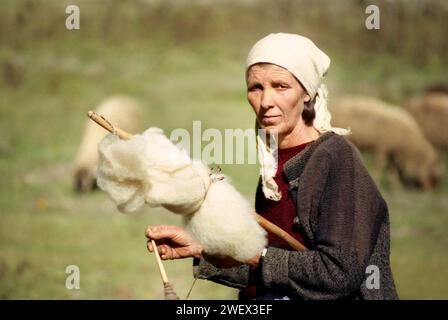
(260, 71)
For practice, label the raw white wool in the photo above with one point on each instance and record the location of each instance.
(225, 224)
(150, 170)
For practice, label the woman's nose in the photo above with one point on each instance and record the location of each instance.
(267, 99)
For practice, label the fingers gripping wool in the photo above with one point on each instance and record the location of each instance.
(149, 170)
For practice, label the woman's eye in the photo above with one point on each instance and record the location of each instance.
(254, 87)
(282, 86)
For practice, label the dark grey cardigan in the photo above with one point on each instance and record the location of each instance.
(346, 221)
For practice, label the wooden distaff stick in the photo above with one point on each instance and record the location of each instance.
(170, 294)
(279, 232)
(267, 225)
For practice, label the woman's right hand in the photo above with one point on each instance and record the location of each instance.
(173, 242)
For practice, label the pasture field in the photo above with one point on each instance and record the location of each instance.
(178, 78)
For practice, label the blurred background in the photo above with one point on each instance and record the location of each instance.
(182, 61)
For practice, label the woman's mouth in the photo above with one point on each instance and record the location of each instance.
(269, 120)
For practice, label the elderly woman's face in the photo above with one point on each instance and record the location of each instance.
(276, 97)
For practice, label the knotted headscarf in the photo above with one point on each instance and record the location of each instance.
(300, 56)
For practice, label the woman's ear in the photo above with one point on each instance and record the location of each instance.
(306, 98)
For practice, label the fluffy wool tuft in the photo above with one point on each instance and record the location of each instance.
(150, 170)
(225, 224)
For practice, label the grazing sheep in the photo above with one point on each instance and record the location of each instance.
(394, 137)
(124, 112)
(430, 110)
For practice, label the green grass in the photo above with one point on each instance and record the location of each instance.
(109, 249)
(45, 227)
(419, 241)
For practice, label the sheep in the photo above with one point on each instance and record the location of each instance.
(394, 137)
(123, 111)
(430, 110)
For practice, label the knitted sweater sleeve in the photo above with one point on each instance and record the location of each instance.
(236, 277)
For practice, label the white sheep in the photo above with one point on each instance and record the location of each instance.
(124, 112)
(392, 134)
(430, 110)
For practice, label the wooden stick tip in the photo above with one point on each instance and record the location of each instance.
(90, 113)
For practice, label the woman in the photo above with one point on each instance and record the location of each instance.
(319, 191)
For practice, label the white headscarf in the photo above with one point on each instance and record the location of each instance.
(301, 57)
